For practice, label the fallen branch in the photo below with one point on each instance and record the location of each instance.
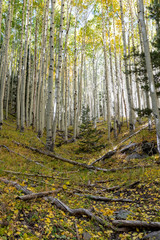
(60, 205)
(33, 175)
(84, 165)
(111, 153)
(105, 156)
(145, 126)
(41, 141)
(49, 154)
(28, 159)
(37, 195)
(104, 199)
(104, 188)
(123, 187)
(136, 224)
(129, 146)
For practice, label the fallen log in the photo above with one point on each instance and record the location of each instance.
(60, 205)
(136, 224)
(144, 126)
(56, 156)
(28, 159)
(129, 146)
(111, 153)
(84, 165)
(105, 156)
(104, 199)
(37, 195)
(104, 188)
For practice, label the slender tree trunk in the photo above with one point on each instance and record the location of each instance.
(111, 73)
(134, 60)
(58, 72)
(0, 17)
(116, 75)
(75, 77)
(150, 72)
(35, 78)
(4, 62)
(29, 71)
(94, 86)
(23, 87)
(20, 68)
(49, 138)
(66, 108)
(131, 121)
(106, 73)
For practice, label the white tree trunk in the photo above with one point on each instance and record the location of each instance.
(131, 120)
(23, 86)
(49, 140)
(4, 62)
(58, 72)
(150, 72)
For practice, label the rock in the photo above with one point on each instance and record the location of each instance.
(86, 236)
(122, 214)
(149, 148)
(135, 155)
(152, 236)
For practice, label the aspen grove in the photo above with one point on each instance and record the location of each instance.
(57, 57)
(80, 119)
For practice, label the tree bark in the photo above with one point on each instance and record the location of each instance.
(150, 72)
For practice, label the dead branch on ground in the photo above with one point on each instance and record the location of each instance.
(37, 195)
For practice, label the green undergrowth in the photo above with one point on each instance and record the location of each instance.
(38, 219)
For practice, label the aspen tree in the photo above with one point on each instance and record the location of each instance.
(81, 78)
(40, 113)
(41, 67)
(111, 74)
(4, 61)
(106, 73)
(147, 96)
(9, 76)
(66, 109)
(35, 77)
(75, 76)
(23, 87)
(131, 121)
(29, 70)
(150, 72)
(134, 60)
(58, 72)
(20, 67)
(123, 98)
(116, 74)
(49, 137)
(0, 18)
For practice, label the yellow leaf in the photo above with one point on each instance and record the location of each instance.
(64, 187)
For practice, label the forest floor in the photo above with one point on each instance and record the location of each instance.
(39, 219)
